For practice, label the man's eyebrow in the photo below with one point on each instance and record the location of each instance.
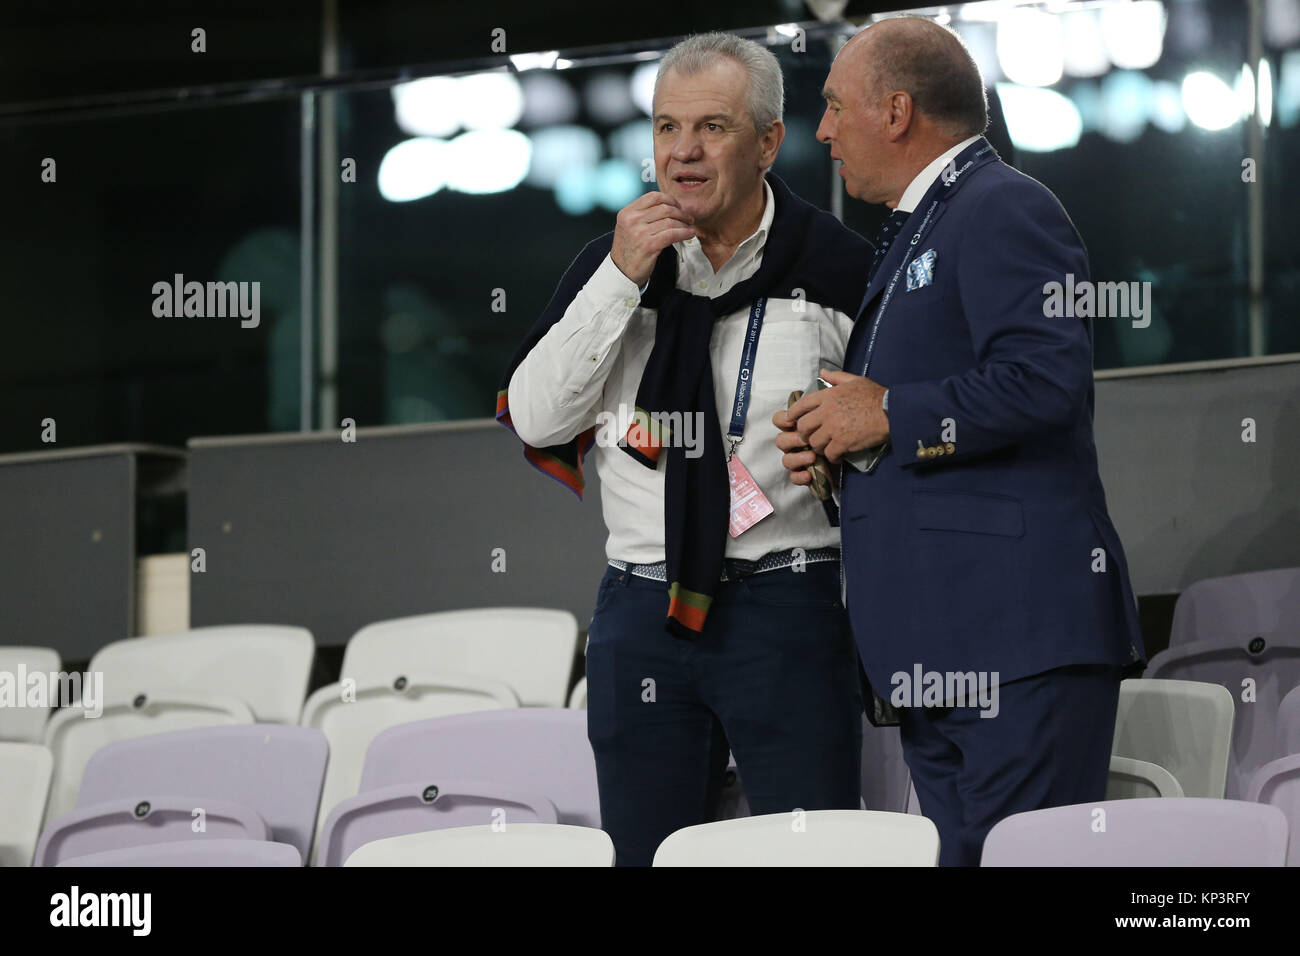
(828, 93)
(725, 117)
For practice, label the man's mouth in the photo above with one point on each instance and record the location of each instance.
(690, 181)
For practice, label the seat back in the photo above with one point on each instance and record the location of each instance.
(351, 720)
(806, 838)
(529, 649)
(1182, 725)
(162, 818)
(1277, 784)
(1258, 673)
(1130, 779)
(25, 771)
(73, 737)
(523, 844)
(1186, 831)
(542, 749)
(1288, 725)
(266, 666)
(1238, 606)
(277, 771)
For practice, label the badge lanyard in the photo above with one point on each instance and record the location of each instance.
(744, 378)
(945, 189)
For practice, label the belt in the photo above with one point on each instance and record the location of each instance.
(735, 569)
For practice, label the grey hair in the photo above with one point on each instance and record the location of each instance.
(765, 96)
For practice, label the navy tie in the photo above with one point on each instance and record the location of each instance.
(885, 237)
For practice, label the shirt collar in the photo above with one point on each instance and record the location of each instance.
(926, 177)
(756, 241)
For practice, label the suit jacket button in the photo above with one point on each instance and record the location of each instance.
(950, 448)
(920, 453)
(931, 452)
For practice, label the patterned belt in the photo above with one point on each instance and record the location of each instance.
(734, 569)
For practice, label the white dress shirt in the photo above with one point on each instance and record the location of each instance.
(592, 360)
(926, 177)
(916, 190)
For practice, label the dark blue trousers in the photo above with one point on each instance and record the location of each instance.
(1048, 746)
(773, 676)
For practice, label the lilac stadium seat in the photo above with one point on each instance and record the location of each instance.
(1180, 831)
(1288, 725)
(1238, 606)
(120, 823)
(195, 853)
(272, 770)
(1277, 784)
(522, 753)
(1271, 665)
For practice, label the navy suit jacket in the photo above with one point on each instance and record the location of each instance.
(983, 552)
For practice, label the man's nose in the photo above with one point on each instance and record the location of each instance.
(686, 147)
(824, 129)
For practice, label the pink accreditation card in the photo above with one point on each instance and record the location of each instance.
(749, 505)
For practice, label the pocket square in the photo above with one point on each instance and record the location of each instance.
(920, 271)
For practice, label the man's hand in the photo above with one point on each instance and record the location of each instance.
(646, 227)
(833, 421)
(797, 457)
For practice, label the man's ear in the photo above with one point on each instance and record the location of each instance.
(902, 111)
(770, 144)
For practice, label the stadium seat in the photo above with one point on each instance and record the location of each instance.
(885, 777)
(273, 770)
(519, 844)
(810, 838)
(1277, 784)
(194, 853)
(265, 666)
(1187, 831)
(25, 771)
(578, 698)
(529, 649)
(1288, 725)
(73, 737)
(1130, 779)
(1237, 607)
(537, 757)
(22, 723)
(1268, 665)
(351, 718)
(1183, 726)
(115, 824)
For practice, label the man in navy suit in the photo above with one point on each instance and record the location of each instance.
(987, 588)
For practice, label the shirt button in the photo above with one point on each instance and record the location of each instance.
(630, 303)
(701, 286)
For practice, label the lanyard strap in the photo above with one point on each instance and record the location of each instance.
(744, 378)
(893, 281)
(937, 193)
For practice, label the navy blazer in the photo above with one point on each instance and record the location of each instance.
(979, 541)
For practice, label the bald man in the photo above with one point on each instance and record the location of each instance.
(987, 588)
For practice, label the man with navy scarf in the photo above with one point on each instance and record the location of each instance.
(978, 552)
(718, 624)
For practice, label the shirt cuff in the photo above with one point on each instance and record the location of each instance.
(608, 285)
(884, 401)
